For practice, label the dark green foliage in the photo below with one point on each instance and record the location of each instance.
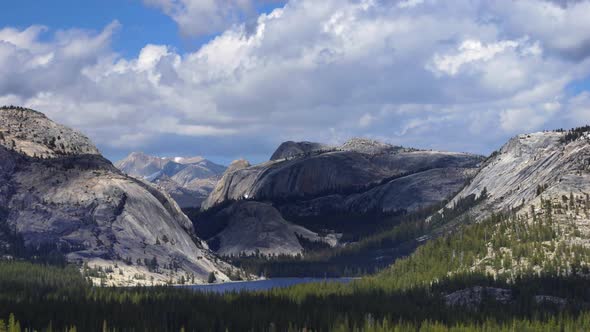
(353, 226)
(211, 278)
(40, 296)
(395, 236)
(206, 223)
(310, 245)
(461, 206)
(23, 280)
(151, 264)
(575, 133)
(12, 107)
(12, 244)
(409, 294)
(366, 256)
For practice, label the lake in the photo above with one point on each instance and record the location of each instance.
(262, 285)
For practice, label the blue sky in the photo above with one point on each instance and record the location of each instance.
(233, 79)
(141, 24)
(579, 86)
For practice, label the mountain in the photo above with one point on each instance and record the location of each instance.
(59, 195)
(330, 190)
(530, 165)
(538, 203)
(530, 219)
(188, 180)
(255, 227)
(510, 251)
(292, 149)
(348, 171)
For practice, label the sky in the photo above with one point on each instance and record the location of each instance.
(229, 79)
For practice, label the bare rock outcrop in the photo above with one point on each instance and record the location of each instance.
(237, 165)
(255, 227)
(70, 199)
(531, 167)
(31, 133)
(306, 182)
(346, 174)
(409, 193)
(471, 298)
(368, 146)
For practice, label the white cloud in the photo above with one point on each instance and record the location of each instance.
(476, 53)
(409, 3)
(203, 17)
(562, 26)
(427, 75)
(580, 106)
(366, 120)
(25, 39)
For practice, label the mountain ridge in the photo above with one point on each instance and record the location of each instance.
(189, 180)
(71, 200)
(306, 180)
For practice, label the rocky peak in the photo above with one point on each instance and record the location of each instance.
(367, 146)
(140, 156)
(141, 165)
(31, 133)
(292, 149)
(527, 144)
(74, 200)
(237, 165)
(188, 180)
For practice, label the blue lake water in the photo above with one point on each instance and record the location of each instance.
(262, 285)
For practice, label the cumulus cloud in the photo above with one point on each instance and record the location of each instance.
(580, 106)
(419, 73)
(518, 119)
(470, 51)
(562, 25)
(204, 17)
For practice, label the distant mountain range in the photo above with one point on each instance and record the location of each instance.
(188, 180)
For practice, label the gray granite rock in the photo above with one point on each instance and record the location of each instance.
(349, 177)
(255, 227)
(75, 200)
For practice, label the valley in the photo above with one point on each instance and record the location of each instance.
(444, 239)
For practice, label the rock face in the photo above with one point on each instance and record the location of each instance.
(76, 201)
(254, 227)
(346, 173)
(368, 146)
(472, 297)
(314, 180)
(409, 193)
(237, 165)
(530, 165)
(47, 140)
(187, 180)
(538, 187)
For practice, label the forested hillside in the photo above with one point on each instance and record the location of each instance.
(452, 283)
